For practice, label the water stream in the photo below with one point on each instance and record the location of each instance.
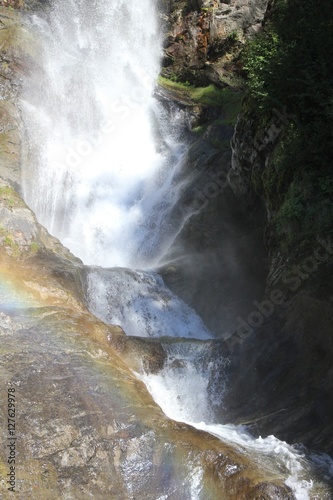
(106, 154)
(102, 173)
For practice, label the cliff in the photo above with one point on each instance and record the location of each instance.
(270, 209)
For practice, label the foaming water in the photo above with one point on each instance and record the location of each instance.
(190, 386)
(142, 305)
(103, 158)
(298, 464)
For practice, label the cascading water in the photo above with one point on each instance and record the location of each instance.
(141, 304)
(106, 161)
(104, 176)
(185, 389)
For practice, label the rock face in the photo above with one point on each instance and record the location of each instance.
(281, 351)
(86, 425)
(284, 349)
(252, 147)
(203, 37)
(218, 260)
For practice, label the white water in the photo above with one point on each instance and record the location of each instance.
(104, 180)
(106, 161)
(188, 388)
(141, 304)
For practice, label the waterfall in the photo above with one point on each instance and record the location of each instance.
(102, 169)
(141, 304)
(103, 156)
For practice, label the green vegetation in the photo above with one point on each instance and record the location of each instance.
(34, 248)
(289, 68)
(7, 240)
(173, 79)
(233, 36)
(9, 196)
(227, 99)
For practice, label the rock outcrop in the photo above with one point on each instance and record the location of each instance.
(203, 37)
(283, 349)
(85, 425)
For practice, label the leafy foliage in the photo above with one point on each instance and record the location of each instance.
(289, 66)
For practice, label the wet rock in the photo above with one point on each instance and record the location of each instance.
(20, 232)
(266, 491)
(193, 114)
(17, 50)
(296, 338)
(9, 137)
(218, 261)
(252, 149)
(287, 357)
(16, 4)
(144, 355)
(7, 325)
(86, 424)
(222, 466)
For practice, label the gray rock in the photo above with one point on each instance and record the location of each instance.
(202, 38)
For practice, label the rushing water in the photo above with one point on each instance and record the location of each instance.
(186, 391)
(106, 156)
(106, 160)
(141, 303)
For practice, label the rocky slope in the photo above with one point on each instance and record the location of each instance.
(85, 425)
